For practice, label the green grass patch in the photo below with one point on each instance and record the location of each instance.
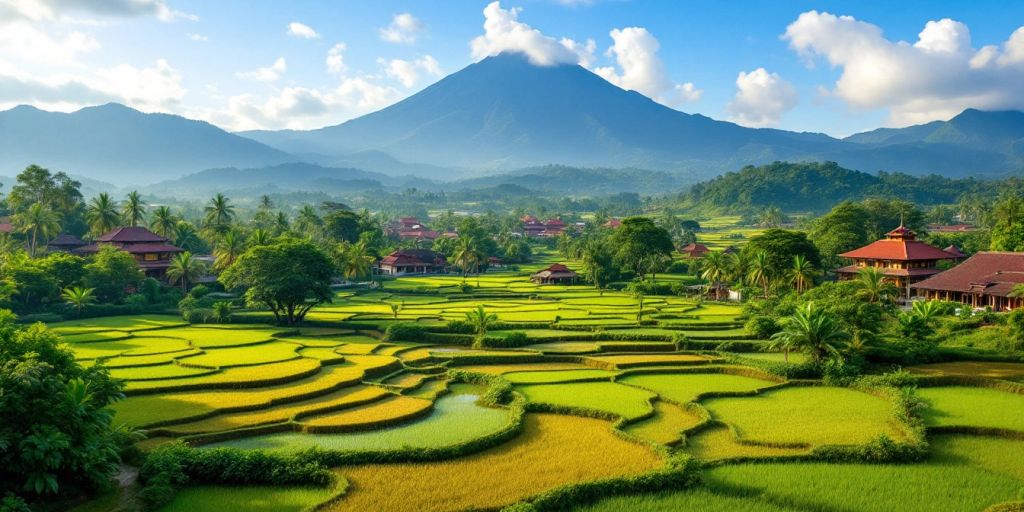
(973, 407)
(665, 426)
(222, 498)
(543, 377)
(609, 397)
(686, 387)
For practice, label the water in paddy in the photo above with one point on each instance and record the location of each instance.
(456, 418)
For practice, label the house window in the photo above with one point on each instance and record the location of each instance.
(151, 256)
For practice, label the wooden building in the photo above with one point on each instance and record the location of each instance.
(903, 259)
(65, 243)
(152, 251)
(412, 261)
(983, 280)
(694, 250)
(555, 274)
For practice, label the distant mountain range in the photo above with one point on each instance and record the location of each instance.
(499, 115)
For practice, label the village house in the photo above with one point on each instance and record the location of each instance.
(412, 261)
(694, 250)
(65, 243)
(902, 258)
(152, 251)
(986, 279)
(555, 274)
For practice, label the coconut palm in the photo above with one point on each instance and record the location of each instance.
(134, 211)
(467, 254)
(163, 222)
(102, 214)
(873, 287)
(228, 249)
(39, 222)
(219, 213)
(184, 269)
(78, 297)
(802, 273)
(307, 221)
(714, 265)
(760, 270)
(259, 237)
(355, 261)
(281, 222)
(185, 235)
(481, 321)
(813, 331)
(222, 311)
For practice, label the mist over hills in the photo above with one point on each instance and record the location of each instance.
(500, 116)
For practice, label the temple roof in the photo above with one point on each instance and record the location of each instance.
(900, 244)
(130, 234)
(989, 273)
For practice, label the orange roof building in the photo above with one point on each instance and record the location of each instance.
(694, 250)
(903, 259)
(985, 279)
(556, 273)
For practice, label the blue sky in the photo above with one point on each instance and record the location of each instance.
(239, 65)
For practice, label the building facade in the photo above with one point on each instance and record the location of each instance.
(152, 251)
(986, 279)
(900, 256)
(412, 261)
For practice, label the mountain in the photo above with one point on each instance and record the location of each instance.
(996, 138)
(122, 145)
(505, 113)
(288, 177)
(563, 180)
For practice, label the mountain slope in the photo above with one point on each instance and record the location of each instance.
(122, 145)
(252, 182)
(505, 113)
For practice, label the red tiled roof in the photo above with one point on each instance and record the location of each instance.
(413, 257)
(955, 251)
(614, 223)
(130, 234)
(898, 250)
(695, 250)
(138, 248)
(418, 233)
(989, 273)
(66, 240)
(558, 267)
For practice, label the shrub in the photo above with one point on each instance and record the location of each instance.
(510, 340)
(222, 311)
(405, 331)
(460, 327)
(199, 290)
(762, 327)
(678, 267)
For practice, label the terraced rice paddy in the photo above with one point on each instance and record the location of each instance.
(558, 450)
(342, 386)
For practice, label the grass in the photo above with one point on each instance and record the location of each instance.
(246, 355)
(609, 397)
(456, 418)
(159, 372)
(666, 424)
(717, 443)
(642, 359)
(222, 498)
(695, 500)
(686, 387)
(551, 451)
(808, 415)
(392, 409)
(237, 376)
(543, 377)
(777, 357)
(121, 323)
(213, 337)
(973, 407)
(499, 369)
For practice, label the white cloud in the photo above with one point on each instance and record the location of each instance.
(267, 74)
(503, 32)
(336, 59)
(50, 10)
(584, 51)
(936, 77)
(301, 30)
(640, 69)
(301, 107)
(408, 72)
(404, 28)
(24, 40)
(761, 98)
(197, 37)
(156, 88)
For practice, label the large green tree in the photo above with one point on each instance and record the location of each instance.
(779, 247)
(639, 243)
(102, 214)
(57, 439)
(289, 277)
(111, 273)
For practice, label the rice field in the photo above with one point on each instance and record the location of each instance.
(586, 370)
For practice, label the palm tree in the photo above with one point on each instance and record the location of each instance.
(228, 249)
(102, 214)
(873, 287)
(308, 221)
(593, 257)
(481, 321)
(184, 269)
(164, 222)
(467, 254)
(281, 223)
(134, 209)
(185, 235)
(760, 271)
(38, 220)
(802, 273)
(259, 237)
(356, 261)
(78, 297)
(713, 267)
(813, 331)
(219, 213)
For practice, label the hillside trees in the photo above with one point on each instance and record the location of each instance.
(780, 246)
(110, 273)
(641, 246)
